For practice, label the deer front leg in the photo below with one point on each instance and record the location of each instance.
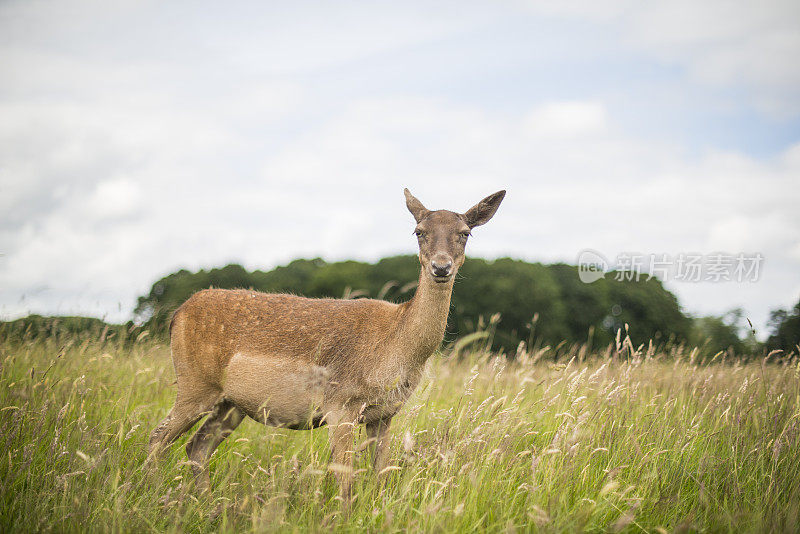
(378, 433)
(341, 437)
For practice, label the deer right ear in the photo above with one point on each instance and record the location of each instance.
(481, 212)
(415, 206)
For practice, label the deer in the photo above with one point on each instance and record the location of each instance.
(301, 363)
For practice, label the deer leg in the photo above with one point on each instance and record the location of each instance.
(224, 419)
(341, 435)
(186, 412)
(378, 432)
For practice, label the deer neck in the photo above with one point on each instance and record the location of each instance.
(424, 318)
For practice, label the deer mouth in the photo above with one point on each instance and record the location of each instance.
(441, 279)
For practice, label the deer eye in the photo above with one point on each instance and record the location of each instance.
(419, 233)
(463, 236)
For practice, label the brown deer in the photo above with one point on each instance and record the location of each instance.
(301, 363)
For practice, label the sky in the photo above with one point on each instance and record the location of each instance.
(138, 138)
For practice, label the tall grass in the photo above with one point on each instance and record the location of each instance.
(648, 441)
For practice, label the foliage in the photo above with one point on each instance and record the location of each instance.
(536, 302)
(622, 440)
(727, 333)
(785, 328)
(63, 327)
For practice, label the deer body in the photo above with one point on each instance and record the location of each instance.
(284, 359)
(300, 363)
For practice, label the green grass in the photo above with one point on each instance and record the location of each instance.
(654, 443)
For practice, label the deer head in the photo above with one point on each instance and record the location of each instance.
(442, 234)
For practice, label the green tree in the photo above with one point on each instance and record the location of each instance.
(586, 306)
(565, 308)
(650, 311)
(65, 328)
(785, 328)
(515, 289)
(714, 334)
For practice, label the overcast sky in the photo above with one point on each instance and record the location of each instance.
(137, 138)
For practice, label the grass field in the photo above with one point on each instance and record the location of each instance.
(649, 442)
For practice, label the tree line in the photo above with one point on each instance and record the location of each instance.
(519, 301)
(535, 302)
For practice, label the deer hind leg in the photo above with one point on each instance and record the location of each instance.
(342, 427)
(224, 419)
(378, 434)
(188, 409)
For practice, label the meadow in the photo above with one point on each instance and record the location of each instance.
(620, 439)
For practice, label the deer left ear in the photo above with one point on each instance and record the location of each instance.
(481, 212)
(415, 206)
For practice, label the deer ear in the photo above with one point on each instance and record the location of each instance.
(415, 206)
(481, 212)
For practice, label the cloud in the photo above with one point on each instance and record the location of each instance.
(114, 198)
(567, 119)
(718, 42)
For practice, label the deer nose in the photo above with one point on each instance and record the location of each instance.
(441, 269)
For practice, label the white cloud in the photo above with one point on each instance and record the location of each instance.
(719, 42)
(794, 252)
(114, 198)
(567, 119)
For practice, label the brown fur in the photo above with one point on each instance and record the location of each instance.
(299, 363)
